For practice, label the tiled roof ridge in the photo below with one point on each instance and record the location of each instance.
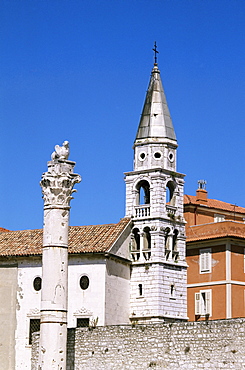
(188, 197)
(109, 224)
(2, 230)
(214, 203)
(214, 236)
(216, 223)
(82, 239)
(215, 230)
(71, 226)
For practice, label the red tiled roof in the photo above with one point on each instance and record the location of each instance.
(215, 230)
(3, 230)
(82, 239)
(213, 203)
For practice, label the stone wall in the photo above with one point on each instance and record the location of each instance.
(184, 345)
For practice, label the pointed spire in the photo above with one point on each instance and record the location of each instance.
(155, 120)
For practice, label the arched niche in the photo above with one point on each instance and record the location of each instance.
(175, 236)
(135, 239)
(143, 192)
(170, 193)
(147, 238)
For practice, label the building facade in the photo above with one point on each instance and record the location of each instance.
(215, 256)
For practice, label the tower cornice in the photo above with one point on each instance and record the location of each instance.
(156, 169)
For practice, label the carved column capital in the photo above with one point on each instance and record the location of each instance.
(58, 182)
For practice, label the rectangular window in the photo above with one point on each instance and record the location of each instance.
(205, 260)
(82, 322)
(34, 327)
(140, 290)
(172, 291)
(219, 218)
(203, 303)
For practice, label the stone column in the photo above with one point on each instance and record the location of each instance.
(57, 188)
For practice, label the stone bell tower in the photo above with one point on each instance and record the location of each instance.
(154, 201)
(57, 188)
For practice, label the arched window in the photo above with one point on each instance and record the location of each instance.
(170, 199)
(167, 242)
(175, 235)
(147, 243)
(166, 233)
(136, 240)
(143, 188)
(135, 244)
(147, 238)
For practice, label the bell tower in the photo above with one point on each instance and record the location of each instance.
(154, 201)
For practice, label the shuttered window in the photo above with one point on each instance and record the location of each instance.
(205, 260)
(197, 304)
(203, 302)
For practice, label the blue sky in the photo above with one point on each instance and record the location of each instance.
(78, 70)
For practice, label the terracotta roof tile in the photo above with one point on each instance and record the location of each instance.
(82, 239)
(215, 230)
(3, 230)
(213, 203)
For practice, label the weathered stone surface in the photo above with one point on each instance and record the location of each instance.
(184, 345)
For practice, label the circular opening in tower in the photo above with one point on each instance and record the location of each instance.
(171, 156)
(84, 282)
(37, 283)
(142, 156)
(157, 155)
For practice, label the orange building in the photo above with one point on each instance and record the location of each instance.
(215, 233)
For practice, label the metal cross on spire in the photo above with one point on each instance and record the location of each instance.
(155, 52)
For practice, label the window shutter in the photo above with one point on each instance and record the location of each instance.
(244, 259)
(205, 260)
(197, 304)
(208, 302)
(202, 261)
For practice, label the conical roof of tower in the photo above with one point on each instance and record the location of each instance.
(155, 120)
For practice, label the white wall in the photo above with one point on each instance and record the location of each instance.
(117, 293)
(89, 302)
(8, 286)
(27, 307)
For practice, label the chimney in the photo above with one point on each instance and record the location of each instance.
(201, 193)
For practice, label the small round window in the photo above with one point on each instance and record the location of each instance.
(157, 155)
(171, 156)
(142, 156)
(84, 282)
(37, 283)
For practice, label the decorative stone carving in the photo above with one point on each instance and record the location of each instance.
(58, 182)
(61, 152)
(34, 313)
(83, 312)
